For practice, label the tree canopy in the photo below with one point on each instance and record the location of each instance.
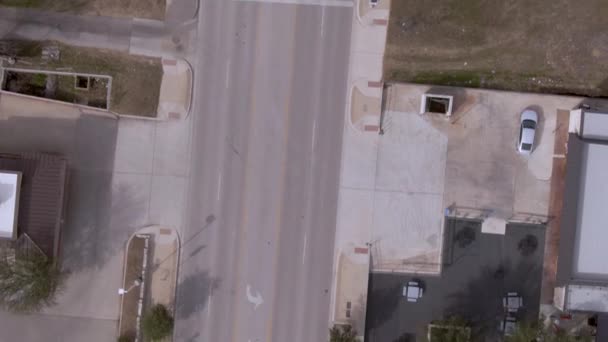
(28, 282)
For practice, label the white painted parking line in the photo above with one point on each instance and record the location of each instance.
(329, 3)
(304, 249)
(219, 185)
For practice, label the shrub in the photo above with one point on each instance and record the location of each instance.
(157, 323)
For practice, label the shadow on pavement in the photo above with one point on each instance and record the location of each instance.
(193, 293)
(89, 143)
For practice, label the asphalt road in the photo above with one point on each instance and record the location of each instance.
(269, 108)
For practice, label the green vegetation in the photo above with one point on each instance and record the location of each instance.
(342, 333)
(157, 323)
(453, 329)
(135, 79)
(126, 338)
(536, 331)
(28, 282)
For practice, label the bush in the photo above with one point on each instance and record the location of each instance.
(126, 338)
(27, 282)
(157, 323)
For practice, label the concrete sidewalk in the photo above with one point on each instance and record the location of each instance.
(355, 214)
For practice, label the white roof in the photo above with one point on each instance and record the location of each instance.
(587, 298)
(595, 126)
(10, 183)
(592, 235)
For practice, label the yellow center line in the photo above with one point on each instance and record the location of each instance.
(245, 187)
(279, 218)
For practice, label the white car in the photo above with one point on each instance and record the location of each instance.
(527, 131)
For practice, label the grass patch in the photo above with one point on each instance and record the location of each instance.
(537, 46)
(151, 9)
(135, 79)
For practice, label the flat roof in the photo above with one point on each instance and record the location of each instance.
(592, 217)
(587, 298)
(10, 183)
(594, 126)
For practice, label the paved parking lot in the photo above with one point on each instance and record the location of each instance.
(479, 269)
(467, 162)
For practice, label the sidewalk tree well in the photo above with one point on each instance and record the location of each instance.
(342, 333)
(157, 323)
(28, 281)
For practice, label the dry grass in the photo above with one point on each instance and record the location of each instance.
(557, 46)
(151, 9)
(135, 79)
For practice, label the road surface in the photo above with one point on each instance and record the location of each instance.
(269, 108)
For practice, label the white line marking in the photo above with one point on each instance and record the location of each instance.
(322, 20)
(304, 249)
(227, 80)
(256, 300)
(209, 306)
(219, 185)
(332, 3)
(314, 134)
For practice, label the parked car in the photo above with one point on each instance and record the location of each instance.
(373, 3)
(527, 131)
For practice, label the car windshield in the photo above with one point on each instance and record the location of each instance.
(529, 124)
(526, 147)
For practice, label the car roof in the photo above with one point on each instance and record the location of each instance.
(529, 114)
(527, 136)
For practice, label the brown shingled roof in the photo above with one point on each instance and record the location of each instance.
(42, 197)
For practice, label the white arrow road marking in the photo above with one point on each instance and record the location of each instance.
(255, 300)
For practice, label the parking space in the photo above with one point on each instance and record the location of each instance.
(478, 271)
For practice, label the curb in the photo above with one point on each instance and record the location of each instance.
(152, 230)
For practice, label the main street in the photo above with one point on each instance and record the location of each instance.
(269, 105)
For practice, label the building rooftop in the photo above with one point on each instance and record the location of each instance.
(41, 197)
(10, 184)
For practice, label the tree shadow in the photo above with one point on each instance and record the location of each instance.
(480, 302)
(193, 293)
(383, 306)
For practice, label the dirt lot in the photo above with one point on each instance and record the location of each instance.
(152, 9)
(135, 79)
(555, 46)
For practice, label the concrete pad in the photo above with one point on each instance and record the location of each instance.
(359, 159)
(39, 327)
(355, 216)
(411, 155)
(167, 200)
(86, 296)
(175, 89)
(135, 146)
(362, 106)
(483, 169)
(130, 203)
(407, 232)
(171, 151)
(25, 106)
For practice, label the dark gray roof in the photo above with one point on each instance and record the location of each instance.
(42, 197)
(569, 218)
